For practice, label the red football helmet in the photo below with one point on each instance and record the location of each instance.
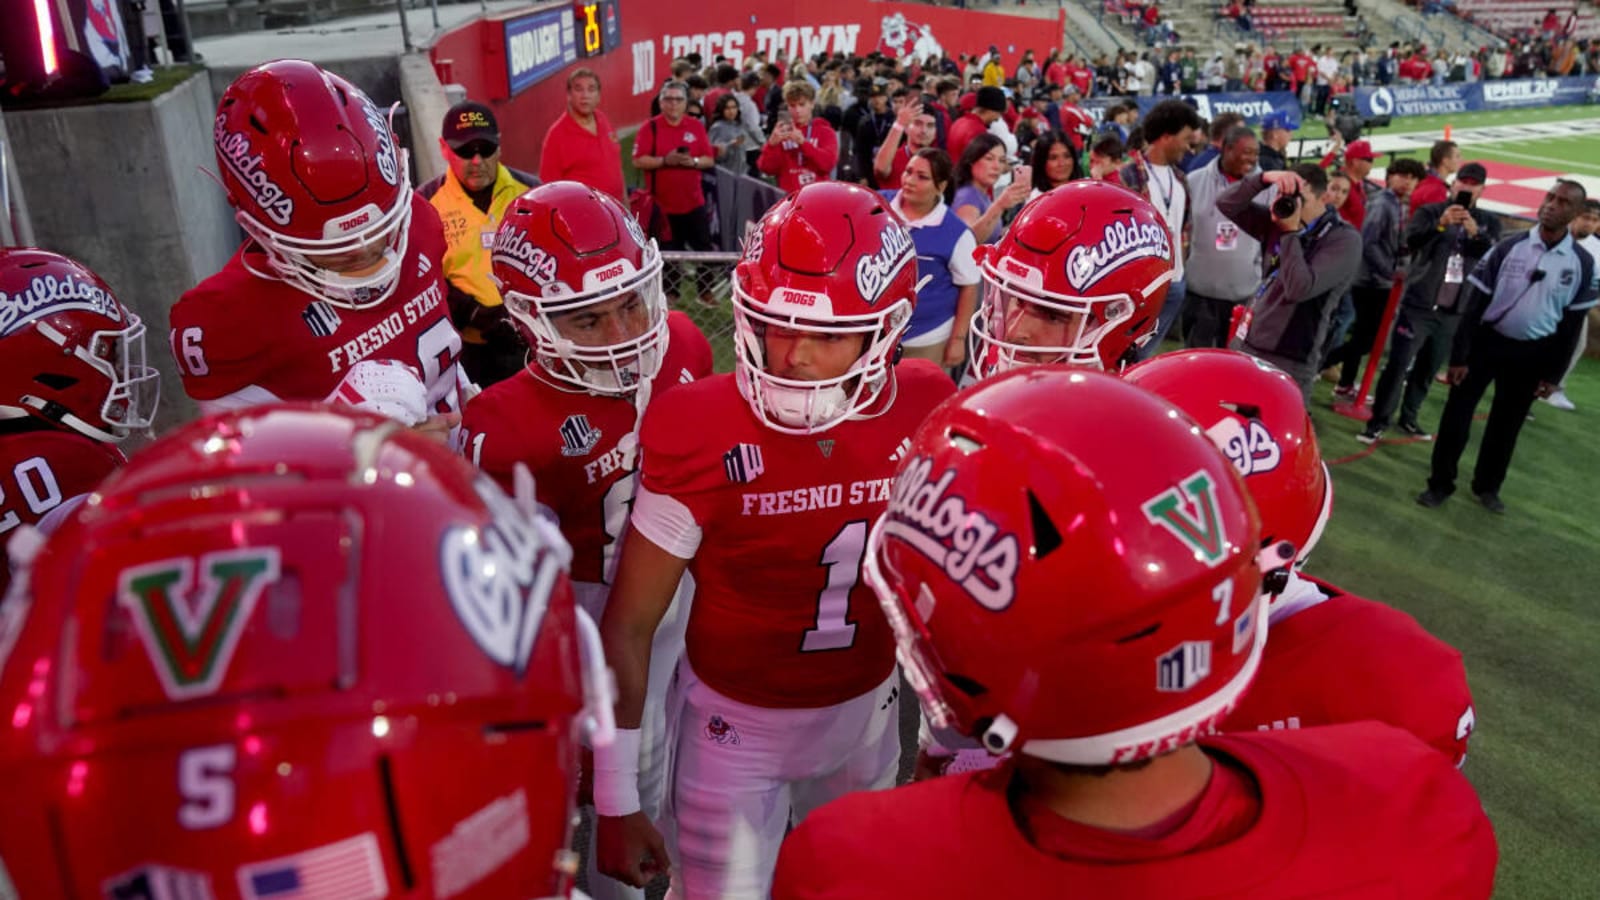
(295, 647)
(317, 179)
(583, 285)
(829, 259)
(1257, 417)
(1054, 592)
(74, 355)
(1078, 278)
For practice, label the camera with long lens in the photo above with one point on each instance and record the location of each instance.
(1344, 118)
(1285, 206)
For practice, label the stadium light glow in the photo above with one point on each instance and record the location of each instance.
(47, 35)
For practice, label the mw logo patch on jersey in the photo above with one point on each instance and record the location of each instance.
(190, 613)
(156, 882)
(320, 318)
(743, 464)
(578, 437)
(1189, 513)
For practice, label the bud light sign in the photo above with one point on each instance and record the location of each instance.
(538, 45)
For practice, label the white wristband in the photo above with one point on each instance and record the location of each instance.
(616, 775)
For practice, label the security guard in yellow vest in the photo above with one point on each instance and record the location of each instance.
(471, 198)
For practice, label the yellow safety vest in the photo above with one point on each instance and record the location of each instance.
(469, 235)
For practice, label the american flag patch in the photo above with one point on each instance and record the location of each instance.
(348, 870)
(743, 463)
(320, 318)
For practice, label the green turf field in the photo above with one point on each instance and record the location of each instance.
(1517, 594)
(1577, 154)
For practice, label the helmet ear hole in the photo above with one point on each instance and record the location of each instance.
(1000, 735)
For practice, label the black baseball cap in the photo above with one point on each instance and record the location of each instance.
(1473, 172)
(991, 98)
(467, 122)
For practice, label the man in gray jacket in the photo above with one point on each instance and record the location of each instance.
(1380, 254)
(1224, 264)
(1309, 258)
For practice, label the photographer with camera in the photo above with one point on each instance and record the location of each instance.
(1309, 259)
(1446, 240)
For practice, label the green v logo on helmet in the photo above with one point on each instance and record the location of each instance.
(191, 625)
(1190, 513)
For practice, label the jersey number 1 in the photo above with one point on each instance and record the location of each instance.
(842, 559)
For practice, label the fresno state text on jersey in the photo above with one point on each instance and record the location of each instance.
(1349, 659)
(237, 333)
(781, 618)
(569, 439)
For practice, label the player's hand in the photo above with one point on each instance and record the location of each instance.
(1545, 389)
(1457, 374)
(630, 849)
(438, 427)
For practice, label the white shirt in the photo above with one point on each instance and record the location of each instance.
(1168, 196)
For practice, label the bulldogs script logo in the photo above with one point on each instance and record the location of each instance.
(1123, 242)
(516, 251)
(875, 272)
(388, 163)
(233, 149)
(47, 294)
(965, 544)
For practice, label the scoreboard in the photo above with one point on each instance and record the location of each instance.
(598, 27)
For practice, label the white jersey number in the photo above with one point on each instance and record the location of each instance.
(842, 558)
(39, 489)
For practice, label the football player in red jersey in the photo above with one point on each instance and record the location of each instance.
(1078, 278)
(343, 263)
(1097, 611)
(74, 382)
(1331, 656)
(295, 651)
(761, 484)
(584, 287)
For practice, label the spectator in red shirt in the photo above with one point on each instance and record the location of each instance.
(1055, 71)
(801, 149)
(989, 104)
(1443, 161)
(1358, 158)
(914, 128)
(674, 149)
(581, 145)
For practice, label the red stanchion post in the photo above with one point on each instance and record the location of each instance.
(1357, 408)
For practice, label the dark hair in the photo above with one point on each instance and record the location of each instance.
(1312, 175)
(1236, 134)
(1169, 117)
(1407, 166)
(945, 85)
(1441, 149)
(723, 101)
(1041, 155)
(1224, 124)
(1109, 146)
(695, 81)
(749, 80)
(1591, 205)
(941, 168)
(1583, 193)
(977, 149)
(727, 74)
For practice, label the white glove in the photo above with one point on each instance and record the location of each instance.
(386, 387)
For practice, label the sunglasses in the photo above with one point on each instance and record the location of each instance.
(484, 149)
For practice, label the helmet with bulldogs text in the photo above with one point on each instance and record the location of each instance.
(312, 170)
(829, 259)
(74, 355)
(1078, 278)
(295, 651)
(583, 285)
(1257, 417)
(1055, 594)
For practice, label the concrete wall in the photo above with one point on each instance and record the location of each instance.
(118, 186)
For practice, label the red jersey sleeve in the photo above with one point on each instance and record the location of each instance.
(493, 434)
(215, 356)
(674, 462)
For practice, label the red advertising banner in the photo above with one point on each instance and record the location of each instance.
(538, 55)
